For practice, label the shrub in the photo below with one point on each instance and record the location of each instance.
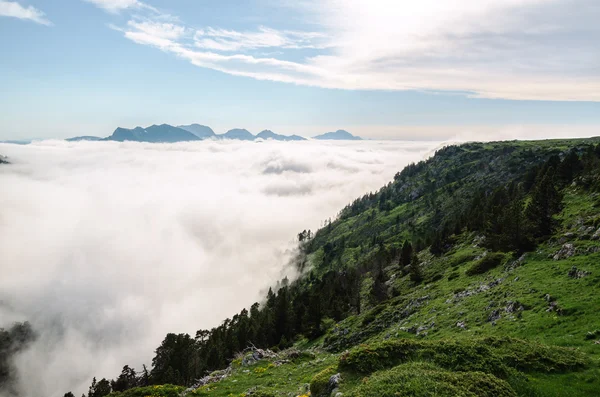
(485, 264)
(453, 276)
(459, 259)
(319, 382)
(498, 356)
(373, 313)
(154, 391)
(423, 379)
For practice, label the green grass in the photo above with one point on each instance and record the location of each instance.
(421, 379)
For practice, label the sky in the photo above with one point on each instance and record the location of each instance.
(107, 246)
(381, 69)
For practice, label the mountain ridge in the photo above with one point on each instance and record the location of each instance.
(472, 272)
(166, 133)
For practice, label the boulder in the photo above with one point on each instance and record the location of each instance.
(494, 316)
(576, 273)
(566, 251)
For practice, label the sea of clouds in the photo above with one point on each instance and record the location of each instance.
(108, 246)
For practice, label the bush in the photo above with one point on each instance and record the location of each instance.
(485, 264)
(422, 379)
(319, 382)
(373, 313)
(498, 356)
(459, 259)
(453, 276)
(154, 391)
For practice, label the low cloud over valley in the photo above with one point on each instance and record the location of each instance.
(108, 246)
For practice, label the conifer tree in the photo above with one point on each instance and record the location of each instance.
(545, 202)
(415, 272)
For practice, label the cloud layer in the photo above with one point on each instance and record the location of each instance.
(514, 49)
(16, 10)
(108, 246)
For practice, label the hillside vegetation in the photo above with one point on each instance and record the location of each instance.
(474, 273)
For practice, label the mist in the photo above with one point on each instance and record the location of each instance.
(108, 246)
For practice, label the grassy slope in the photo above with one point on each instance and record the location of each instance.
(436, 307)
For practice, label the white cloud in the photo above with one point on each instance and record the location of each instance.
(231, 40)
(158, 34)
(115, 6)
(514, 49)
(16, 10)
(108, 246)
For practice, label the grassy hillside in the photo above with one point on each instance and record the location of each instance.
(474, 273)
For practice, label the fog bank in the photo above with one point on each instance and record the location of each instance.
(108, 246)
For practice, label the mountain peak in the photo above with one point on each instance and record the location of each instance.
(238, 133)
(338, 135)
(268, 134)
(201, 131)
(163, 133)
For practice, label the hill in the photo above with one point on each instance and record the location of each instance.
(163, 133)
(201, 131)
(237, 133)
(268, 134)
(339, 135)
(473, 273)
(84, 138)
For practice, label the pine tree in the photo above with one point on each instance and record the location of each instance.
(415, 272)
(406, 254)
(126, 380)
(545, 202)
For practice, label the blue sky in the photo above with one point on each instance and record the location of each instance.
(382, 69)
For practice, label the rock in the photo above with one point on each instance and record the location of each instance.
(256, 355)
(461, 325)
(213, 377)
(333, 385)
(576, 273)
(481, 288)
(495, 315)
(553, 307)
(478, 240)
(566, 251)
(586, 232)
(516, 263)
(512, 307)
(596, 235)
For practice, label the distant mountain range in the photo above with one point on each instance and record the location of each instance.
(84, 138)
(166, 133)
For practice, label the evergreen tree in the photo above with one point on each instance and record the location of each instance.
(415, 272)
(145, 378)
(406, 253)
(545, 202)
(126, 380)
(99, 388)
